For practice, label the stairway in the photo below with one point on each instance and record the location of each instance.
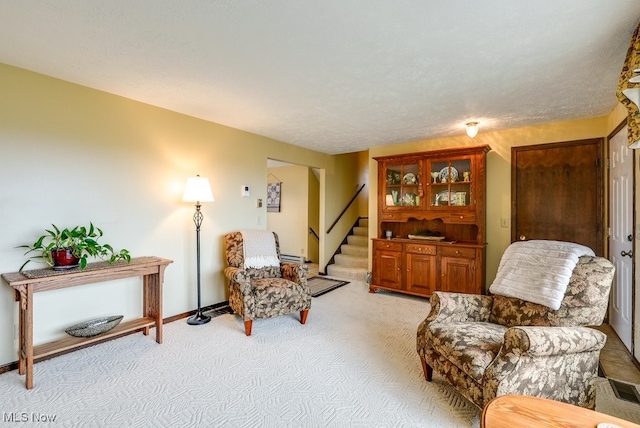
(353, 260)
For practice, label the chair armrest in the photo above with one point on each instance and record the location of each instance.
(548, 341)
(240, 277)
(295, 272)
(459, 307)
(559, 363)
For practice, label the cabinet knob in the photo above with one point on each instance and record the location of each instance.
(457, 253)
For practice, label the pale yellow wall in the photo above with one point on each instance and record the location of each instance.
(291, 223)
(352, 170)
(313, 243)
(71, 155)
(498, 171)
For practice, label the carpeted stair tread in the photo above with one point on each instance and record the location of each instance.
(361, 231)
(345, 272)
(351, 261)
(354, 250)
(358, 240)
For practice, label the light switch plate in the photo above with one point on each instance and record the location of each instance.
(245, 191)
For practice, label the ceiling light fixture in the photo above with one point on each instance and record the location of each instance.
(472, 129)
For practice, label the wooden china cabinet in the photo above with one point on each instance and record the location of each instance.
(432, 204)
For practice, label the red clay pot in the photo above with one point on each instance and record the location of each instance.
(64, 257)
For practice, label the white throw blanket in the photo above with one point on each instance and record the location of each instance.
(259, 249)
(538, 271)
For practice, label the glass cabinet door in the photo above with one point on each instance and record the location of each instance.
(450, 182)
(403, 187)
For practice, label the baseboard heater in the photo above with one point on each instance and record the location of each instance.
(290, 258)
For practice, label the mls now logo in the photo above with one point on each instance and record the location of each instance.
(15, 417)
(27, 417)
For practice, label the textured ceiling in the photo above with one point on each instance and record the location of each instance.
(336, 76)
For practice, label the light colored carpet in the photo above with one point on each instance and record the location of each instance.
(353, 364)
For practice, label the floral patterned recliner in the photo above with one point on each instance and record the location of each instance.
(487, 346)
(264, 292)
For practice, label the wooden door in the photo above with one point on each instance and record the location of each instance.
(557, 191)
(421, 273)
(457, 275)
(387, 268)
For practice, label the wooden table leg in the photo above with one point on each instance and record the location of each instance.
(146, 284)
(158, 303)
(27, 333)
(153, 300)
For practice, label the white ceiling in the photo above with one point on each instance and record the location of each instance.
(336, 76)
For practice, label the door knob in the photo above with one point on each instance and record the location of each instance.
(522, 237)
(626, 253)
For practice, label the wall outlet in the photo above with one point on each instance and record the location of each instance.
(504, 222)
(259, 203)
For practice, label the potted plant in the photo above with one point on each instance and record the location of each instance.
(67, 248)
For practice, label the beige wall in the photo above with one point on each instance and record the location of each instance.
(498, 170)
(313, 243)
(291, 223)
(353, 169)
(71, 155)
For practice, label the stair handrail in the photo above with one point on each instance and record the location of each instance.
(313, 232)
(345, 209)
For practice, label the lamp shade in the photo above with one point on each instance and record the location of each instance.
(197, 190)
(472, 129)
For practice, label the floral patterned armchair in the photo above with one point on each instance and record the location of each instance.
(264, 292)
(487, 346)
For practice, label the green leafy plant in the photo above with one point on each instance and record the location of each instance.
(81, 241)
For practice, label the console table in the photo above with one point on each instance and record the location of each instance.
(508, 411)
(27, 283)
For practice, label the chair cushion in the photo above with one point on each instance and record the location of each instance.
(469, 346)
(273, 294)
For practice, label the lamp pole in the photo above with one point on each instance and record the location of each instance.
(198, 318)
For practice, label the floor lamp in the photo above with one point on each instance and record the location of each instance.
(198, 190)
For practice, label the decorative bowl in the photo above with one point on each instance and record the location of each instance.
(94, 327)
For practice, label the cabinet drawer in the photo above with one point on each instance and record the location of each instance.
(387, 245)
(468, 253)
(421, 249)
(391, 216)
(462, 218)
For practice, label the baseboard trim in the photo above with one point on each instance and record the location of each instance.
(14, 365)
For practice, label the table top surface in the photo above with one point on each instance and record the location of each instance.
(92, 269)
(511, 411)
